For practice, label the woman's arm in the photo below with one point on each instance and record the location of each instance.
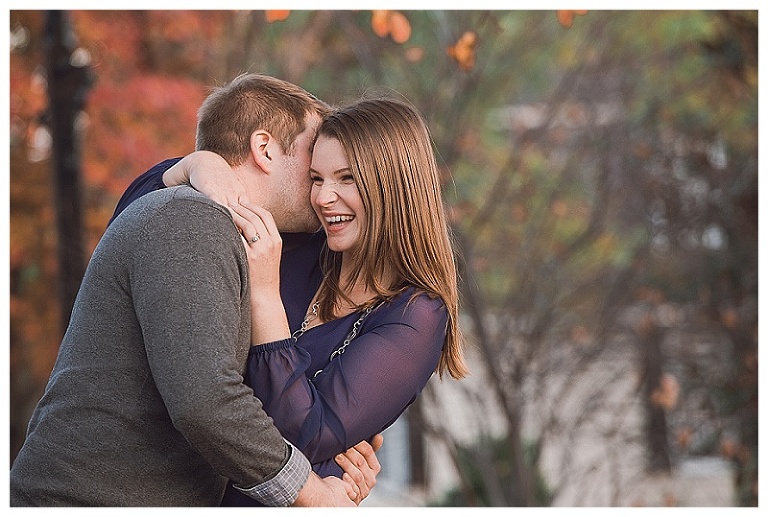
(263, 245)
(359, 393)
(147, 182)
(207, 172)
(210, 174)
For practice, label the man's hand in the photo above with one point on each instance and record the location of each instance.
(330, 491)
(361, 466)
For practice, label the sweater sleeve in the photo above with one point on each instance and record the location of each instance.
(360, 392)
(189, 281)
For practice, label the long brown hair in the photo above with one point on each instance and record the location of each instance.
(389, 150)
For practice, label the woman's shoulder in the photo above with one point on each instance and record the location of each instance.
(413, 304)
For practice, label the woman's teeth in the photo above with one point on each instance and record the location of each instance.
(339, 219)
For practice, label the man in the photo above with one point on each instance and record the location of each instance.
(146, 404)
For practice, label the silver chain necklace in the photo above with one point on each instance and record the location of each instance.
(352, 333)
(304, 324)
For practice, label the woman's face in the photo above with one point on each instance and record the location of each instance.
(334, 195)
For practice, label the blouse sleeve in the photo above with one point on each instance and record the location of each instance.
(149, 181)
(360, 392)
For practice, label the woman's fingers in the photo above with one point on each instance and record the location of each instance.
(263, 245)
(353, 490)
(251, 225)
(376, 442)
(367, 462)
(354, 478)
(254, 222)
(361, 466)
(263, 214)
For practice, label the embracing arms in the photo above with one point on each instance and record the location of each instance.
(359, 463)
(204, 170)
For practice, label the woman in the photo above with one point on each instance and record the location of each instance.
(384, 314)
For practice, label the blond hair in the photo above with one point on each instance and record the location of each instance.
(231, 113)
(389, 150)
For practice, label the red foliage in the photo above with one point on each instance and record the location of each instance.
(137, 123)
(136, 114)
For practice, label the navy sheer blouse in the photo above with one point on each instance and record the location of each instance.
(360, 392)
(357, 394)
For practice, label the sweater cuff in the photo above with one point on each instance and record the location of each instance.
(284, 488)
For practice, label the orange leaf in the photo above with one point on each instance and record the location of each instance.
(666, 393)
(728, 447)
(565, 17)
(380, 23)
(399, 28)
(391, 23)
(463, 52)
(684, 437)
(276, 16)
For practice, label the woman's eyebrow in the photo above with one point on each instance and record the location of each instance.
(337, 171)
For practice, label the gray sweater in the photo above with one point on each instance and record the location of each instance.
(146, 404)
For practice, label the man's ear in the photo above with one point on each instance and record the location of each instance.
(262, 149)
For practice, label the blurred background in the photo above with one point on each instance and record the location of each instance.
(600, 168)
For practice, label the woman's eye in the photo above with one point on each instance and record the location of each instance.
(317, 180)
(347, 179)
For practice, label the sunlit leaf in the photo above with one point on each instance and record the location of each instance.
(566, 17)
(391, 23)
(463, 52)
(728, 447)
(380, 23)
(666, 393)
(684, 437)
(276, 15)
(399, 27)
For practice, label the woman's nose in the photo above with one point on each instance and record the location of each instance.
(326, 194)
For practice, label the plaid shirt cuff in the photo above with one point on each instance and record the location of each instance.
(282, 489)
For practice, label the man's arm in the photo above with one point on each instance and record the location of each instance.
(189, 283)
(329, 491)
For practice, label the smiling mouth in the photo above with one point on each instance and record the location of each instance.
(336, 219)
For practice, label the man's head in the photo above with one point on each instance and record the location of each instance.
(261, 121)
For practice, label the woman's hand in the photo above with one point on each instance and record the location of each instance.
(263, 245)
(361, 466)
(210, 174)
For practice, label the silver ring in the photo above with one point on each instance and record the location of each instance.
(255, 238)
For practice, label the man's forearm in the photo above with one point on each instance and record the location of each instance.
(286, 486)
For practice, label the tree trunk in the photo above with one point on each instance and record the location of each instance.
(656, 417)
(67, 88)
(415, 417)
(522, 492)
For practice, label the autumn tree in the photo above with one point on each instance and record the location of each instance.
(600, 169)
(68, 82)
